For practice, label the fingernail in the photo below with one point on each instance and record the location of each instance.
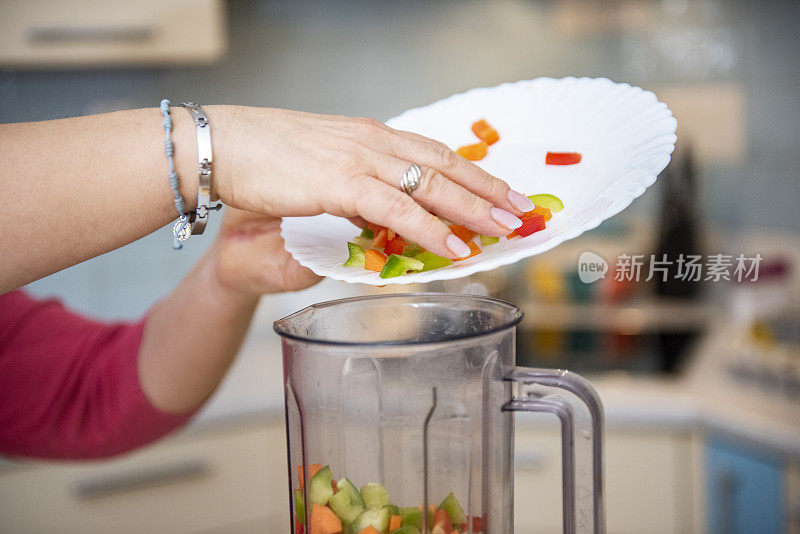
(506, 219)
(457, 247)
(520, 201)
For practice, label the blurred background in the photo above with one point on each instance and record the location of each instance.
(701, 381)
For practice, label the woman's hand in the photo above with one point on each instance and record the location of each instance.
(287, 163)
(249, 256)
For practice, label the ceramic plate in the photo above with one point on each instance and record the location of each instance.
(624, 133)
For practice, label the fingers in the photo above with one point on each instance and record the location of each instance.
(419, 149)
(448, 199)
(383, 204)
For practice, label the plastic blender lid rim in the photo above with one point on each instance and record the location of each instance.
(514, 319)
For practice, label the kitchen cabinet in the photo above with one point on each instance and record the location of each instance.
(230, 479)
(93, 33)
(745, 489)
(649, 482)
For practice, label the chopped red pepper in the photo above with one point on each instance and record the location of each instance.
(538, 210)
(530, 225)
(395, 246)
(298, 527)
(563, 158)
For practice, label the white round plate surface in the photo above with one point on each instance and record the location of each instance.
(624, 134)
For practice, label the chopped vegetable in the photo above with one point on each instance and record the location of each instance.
(300, 506)
(355, 255)
(395, 246)
(488, 240)
(411, 516)
(363, 242)
(453, 508)
(374, 260)
(377, 518)
(381, 237)
(431, 261)
(474, 152)
(347, 502)
(442, 520)
(530, 225)
(462, 232)
(545, 200)
(406, 529)
(375, 496)
(539, 210)
(319, 488)
(323, 521)
(398, 265)
(412, 250)
(312, 470)
(563, 158)
(474, 251)
(485, 132)
(395, 522)
(370, 530)
(368, 233)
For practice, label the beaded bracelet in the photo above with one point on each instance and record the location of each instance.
(179, 231)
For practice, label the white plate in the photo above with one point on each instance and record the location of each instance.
(624, 133)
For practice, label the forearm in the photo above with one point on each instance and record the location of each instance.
(191, 337)
(76, 188)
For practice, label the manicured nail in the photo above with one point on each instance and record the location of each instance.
(457, 247)
(520, 201)
(506, 219)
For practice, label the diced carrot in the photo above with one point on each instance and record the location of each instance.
(312, 470)
(462, 232)
(485, 132)
(381, 238)
(563, 158)
(539, 210)
(369, 530)
(474, 152)
(394, 522)
(374, 260)
(323, 521)
(474, 251)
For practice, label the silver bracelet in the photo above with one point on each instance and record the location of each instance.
(205, 159)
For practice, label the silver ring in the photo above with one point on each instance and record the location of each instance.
(411, 179)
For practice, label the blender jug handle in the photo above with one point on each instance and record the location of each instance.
(576, 403)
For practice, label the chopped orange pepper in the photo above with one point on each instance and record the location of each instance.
(394, 522)
(462, 232)
(474, 152)
(369, 530)
(539, 210)
(485, 132)
(374, 260)
(381, 237)
(474, 251)
(312, 470)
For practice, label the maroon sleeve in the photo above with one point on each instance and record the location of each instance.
(69, 386)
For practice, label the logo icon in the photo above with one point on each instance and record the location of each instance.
(591, 267)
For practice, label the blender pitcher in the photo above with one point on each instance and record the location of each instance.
(411, 399)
